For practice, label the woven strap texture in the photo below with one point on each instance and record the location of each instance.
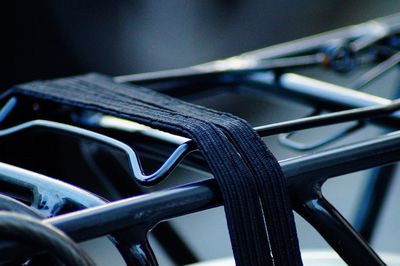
(258, 212)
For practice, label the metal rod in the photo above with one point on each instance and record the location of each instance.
(7, 108)
(328, 119)
(373, 199)
(331, 224)
(187, 147)
(386, 25)
(310, 88)
(229, 66)
(377, 71)
(391, 23)
(320, 93)
(49, 195)
(374, 194)
(368, 112)
(163, 205)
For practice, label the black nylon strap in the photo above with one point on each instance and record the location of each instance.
(260, 219)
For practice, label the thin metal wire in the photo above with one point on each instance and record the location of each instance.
(267, 130)
(315, 167)
(160, 205)
(187, 147)
(376, 72)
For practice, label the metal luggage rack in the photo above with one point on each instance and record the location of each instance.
(367, 51)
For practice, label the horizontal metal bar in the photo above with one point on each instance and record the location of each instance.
(228, 66)
(246, 61)
(163, 205)
(369, 112)
(376, 71)
(328, 92)
(187, 147)
(50, 194)
(320, 93)
(315, 89)
(390, 24)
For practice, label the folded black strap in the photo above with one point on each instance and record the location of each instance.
(259, 216)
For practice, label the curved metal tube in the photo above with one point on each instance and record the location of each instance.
(189, 146)
(330, 223)
(49, 196)
(303, 123)
(12, 205)
(156, 206)
(169, 165)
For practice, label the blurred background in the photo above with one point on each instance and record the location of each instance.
(45, 39)
(49, 39)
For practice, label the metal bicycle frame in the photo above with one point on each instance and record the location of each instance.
(305, 174)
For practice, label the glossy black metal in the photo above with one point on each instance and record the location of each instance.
(163, 205)
(336, 230)
(304, 123)
(45, 194)
(378, 185)
(134, 246)
(329, 119)
(150, 208)
(373, 199)
(304, 86)
(303, 173)
(137, 172)
(49, 199)
(48, 196)
(126, 243)
(316, 161)
(320, 94)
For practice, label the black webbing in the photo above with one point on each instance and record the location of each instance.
(259, 216)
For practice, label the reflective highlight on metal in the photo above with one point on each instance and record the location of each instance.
(342, 50)
(7, 108)
(183, 150)
(49, 195)
(151, 208)
(264, 131)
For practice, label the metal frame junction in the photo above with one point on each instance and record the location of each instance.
(267, 71)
